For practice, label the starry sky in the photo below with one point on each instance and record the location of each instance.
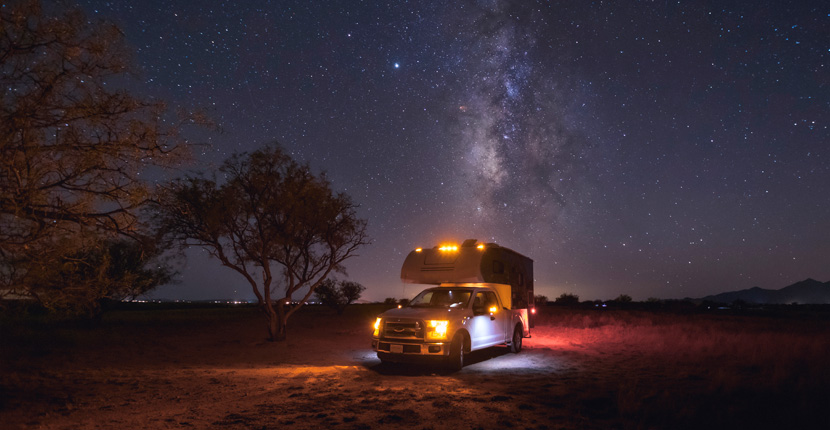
(652, 148)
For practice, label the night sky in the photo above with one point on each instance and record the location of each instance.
(656, 149)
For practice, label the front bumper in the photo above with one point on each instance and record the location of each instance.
(391, 348)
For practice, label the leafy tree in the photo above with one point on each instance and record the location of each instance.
(567, 299)
(623, 298)
(338, 294)
(540, 300)
(118, 269)
(73, 144)
(272, 220)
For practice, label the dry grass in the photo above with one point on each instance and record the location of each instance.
(769, 371)
(209, 368)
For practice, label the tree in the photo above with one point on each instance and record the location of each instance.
(73, 144)
(270, 218)
(338, 294)
(117, 269)
(540, 299)
(623, 298)
(567, 299)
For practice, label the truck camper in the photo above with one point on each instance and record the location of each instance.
(482, 296)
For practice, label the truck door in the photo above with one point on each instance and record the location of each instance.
(488, 321)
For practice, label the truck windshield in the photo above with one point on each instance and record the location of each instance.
(442, 298)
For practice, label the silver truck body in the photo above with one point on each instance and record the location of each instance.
(480, 299)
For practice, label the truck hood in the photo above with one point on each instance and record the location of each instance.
(423, 313)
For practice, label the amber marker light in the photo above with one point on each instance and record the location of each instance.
(480, 246)
(418, 250)
(377, 328)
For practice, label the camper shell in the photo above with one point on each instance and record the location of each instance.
(474, 263)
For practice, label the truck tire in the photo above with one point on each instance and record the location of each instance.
(455, 361)
(516, 343)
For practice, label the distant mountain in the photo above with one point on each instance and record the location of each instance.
(808, 291)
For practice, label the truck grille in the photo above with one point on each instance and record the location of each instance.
(403, 329)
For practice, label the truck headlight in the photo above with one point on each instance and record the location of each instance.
(377, 327)
(437, 329)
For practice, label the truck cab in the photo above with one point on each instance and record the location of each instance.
(479, 299)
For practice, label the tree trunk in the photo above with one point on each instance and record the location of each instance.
(276, 321)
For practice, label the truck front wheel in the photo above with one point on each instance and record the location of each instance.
(516, 344)
(455, 361)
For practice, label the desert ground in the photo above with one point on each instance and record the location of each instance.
(210, 367)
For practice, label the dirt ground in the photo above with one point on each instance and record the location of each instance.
(211, 368)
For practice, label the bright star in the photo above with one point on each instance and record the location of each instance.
(397, 66)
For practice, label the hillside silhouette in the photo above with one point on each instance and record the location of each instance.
(808, 291)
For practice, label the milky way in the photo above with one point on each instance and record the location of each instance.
(657, 149)
(520, 154)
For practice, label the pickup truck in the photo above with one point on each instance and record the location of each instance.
(480, 300)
